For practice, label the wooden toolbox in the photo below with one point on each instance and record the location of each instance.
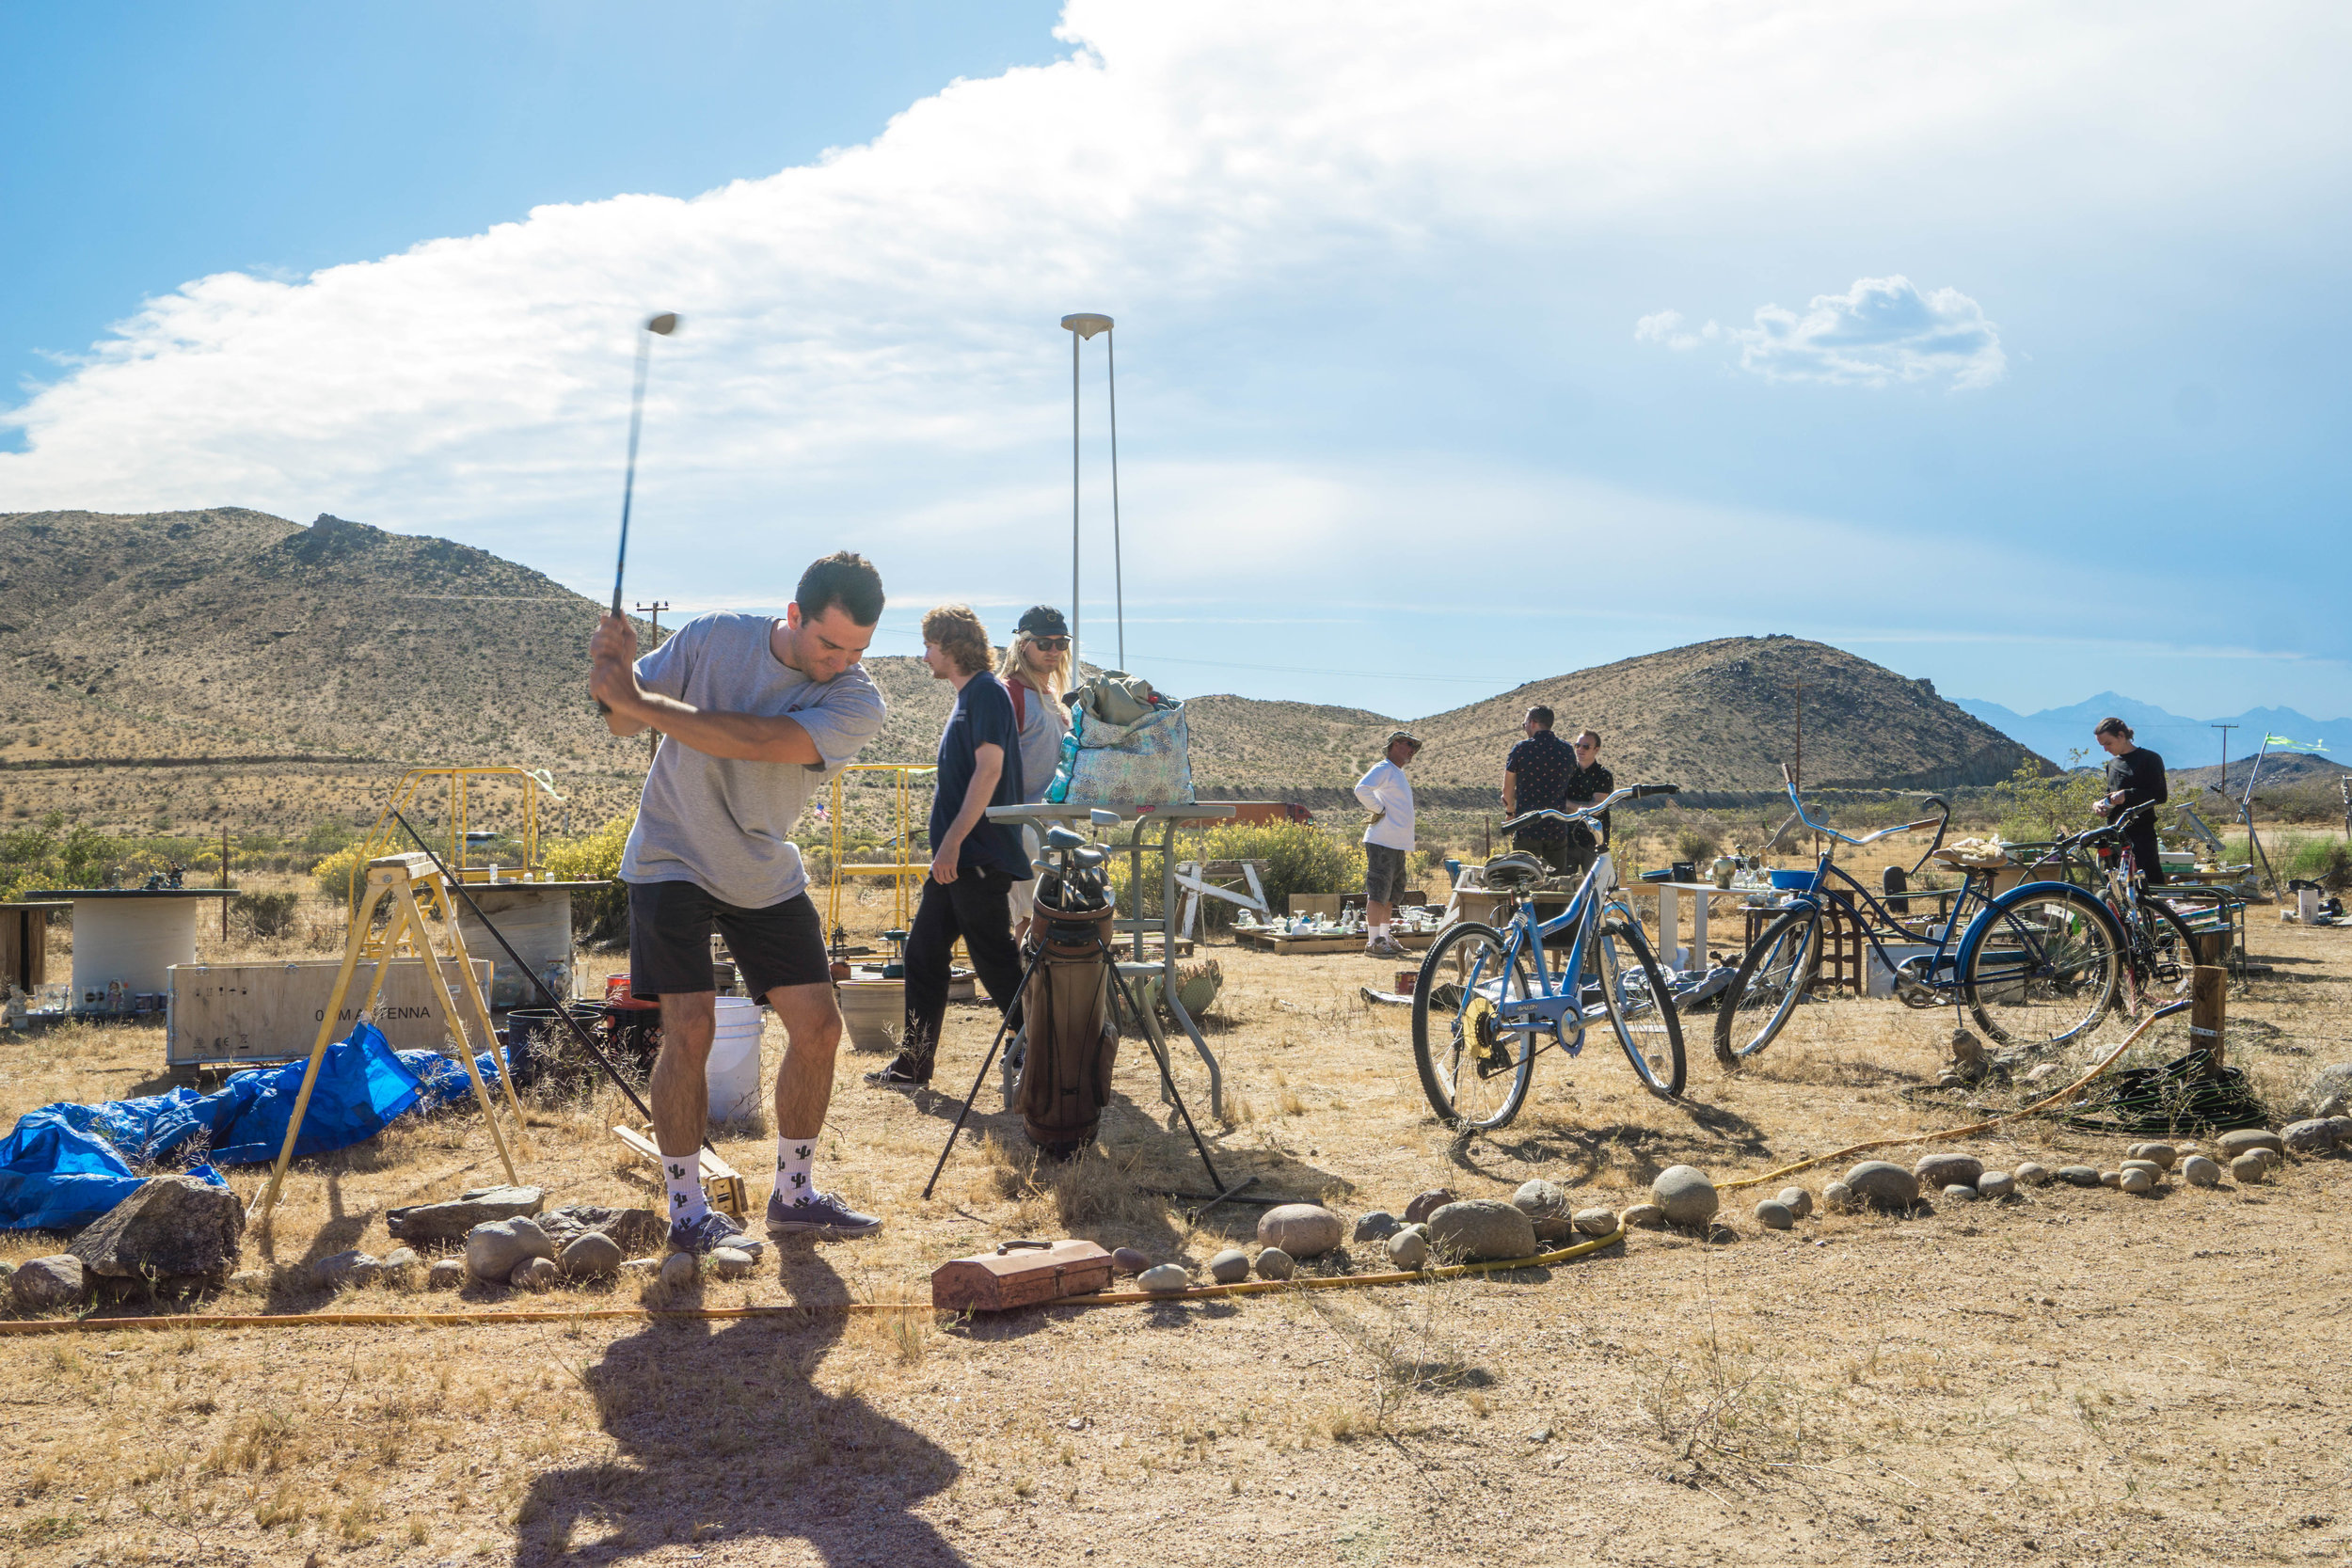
(1020, 1277)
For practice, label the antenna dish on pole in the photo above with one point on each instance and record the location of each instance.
(1086, 323)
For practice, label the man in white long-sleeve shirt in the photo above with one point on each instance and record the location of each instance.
(1388, 840)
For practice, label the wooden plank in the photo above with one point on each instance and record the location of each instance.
(720, 1182)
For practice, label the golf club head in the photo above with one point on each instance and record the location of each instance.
(1103, 818)
(662, 325)
(1042, 865)
(1088, 857)
(1059, 837)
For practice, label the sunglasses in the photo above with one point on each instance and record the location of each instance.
(1051, 644)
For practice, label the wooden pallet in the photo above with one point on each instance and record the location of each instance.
(1347, 941)
(721, 1182)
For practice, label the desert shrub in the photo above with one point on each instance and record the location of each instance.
(337, 873)
(328, 836)
(266, 914)
(1300, 858)
(2324, 860)
(52, 856)
(603, 914)
(2038, 808)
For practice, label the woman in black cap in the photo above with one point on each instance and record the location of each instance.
(1036, 670)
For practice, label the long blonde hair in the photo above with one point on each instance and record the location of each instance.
(1013, 666)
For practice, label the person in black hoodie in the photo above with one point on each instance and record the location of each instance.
(2135, 777)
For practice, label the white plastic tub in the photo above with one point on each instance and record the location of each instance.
(738, 1086)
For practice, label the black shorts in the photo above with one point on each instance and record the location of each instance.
(669, 941)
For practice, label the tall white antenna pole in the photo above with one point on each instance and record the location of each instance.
(1086, 323)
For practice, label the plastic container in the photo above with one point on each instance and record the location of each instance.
(1793, 881)
(874, 1012)
(733, 1076)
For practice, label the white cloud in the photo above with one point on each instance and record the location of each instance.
(1881, 331)
(1668, 327)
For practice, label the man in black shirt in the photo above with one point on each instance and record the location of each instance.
(2135, 777)
(1589, 783)
(1536, 778)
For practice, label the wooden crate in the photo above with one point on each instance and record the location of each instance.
(1845, 956)
(993, 1281)
(271, 1012)
(1324, 903)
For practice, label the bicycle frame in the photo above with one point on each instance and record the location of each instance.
(1549, 1007)
(1943, 964)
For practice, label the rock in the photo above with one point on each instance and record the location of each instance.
(1274, 1263)
(2200, 1172)
(1647, 1216)
(49, 1284)
(2269, 1157)
(494, 1249)
(1482, 1229)
(1686, 1194)
(1167, 1279)
(2138, 1179)
(7, 1268)
(2032, 1173)
(1797, 1201)
(1427, 1204)
(1593, 1222)
(1947, 1169)
(346, 1270)
(1961, 1192)
(2165, 1155)
(2238, 1140)
(681, 1271)
(1547, 1207)
(1885, 1183)
(2327, 1094)
(1408, 1249)
(251, 1281)
(732, 1263)
(1995, 1184)
(402, 1259)
(445, 1273)
(1129, 1261)
(2248, 1168)
(2339, 1131)
(2110, 1179)
(1229, 1267)
(2078, 1176)
(448, 1222)
(172, 1226)
(1301, 1230)
(535, 1274)
(2036, 1074)
(1836, 1197)
(2309, 1137)
(1378, 1226)
(591, 1255)
(1772, 1214)
(631, 1229)
(641, 1265)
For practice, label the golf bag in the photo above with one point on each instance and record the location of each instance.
(1071, 1042)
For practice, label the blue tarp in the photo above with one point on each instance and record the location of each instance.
(64, 1165)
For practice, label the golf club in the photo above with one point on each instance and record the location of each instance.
(660, 325)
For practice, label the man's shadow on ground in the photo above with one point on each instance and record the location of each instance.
(725, 1436)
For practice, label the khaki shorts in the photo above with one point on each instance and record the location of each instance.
(1384, 873)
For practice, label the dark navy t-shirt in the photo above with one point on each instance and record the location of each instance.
(982, 716)
(1544, 763)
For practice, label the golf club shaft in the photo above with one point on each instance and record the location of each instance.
(629, 475)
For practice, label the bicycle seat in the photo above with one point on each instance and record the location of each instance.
(1515, 871)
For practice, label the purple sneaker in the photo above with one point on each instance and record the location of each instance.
(819, 1213)
(709, 1233)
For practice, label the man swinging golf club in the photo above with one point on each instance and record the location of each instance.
(760, 714)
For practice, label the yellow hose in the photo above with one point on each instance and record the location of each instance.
(704, 1314)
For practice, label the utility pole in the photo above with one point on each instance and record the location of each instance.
(224, 881)
(2225, 730)
(653, 612)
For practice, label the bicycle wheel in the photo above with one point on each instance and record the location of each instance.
(2046, 969)
(1474, 1074)
(1772, 978)
(1640, 1008)
(2163, 952)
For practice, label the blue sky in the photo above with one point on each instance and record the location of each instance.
(1457, 348)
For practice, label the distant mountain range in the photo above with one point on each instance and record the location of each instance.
(2056, 731)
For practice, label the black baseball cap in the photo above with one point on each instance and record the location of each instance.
(1043, 620)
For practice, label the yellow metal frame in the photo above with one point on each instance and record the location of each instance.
(380, 841)
(902, 790)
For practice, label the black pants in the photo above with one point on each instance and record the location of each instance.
(975, 907)
(1557, 853)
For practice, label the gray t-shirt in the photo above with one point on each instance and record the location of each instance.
(720, 822)
(1044, 722)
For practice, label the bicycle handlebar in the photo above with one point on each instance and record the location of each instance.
(1586, 813)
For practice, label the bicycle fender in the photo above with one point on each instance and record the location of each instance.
(1974, 937)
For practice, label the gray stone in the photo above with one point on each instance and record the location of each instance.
(1274, 1263)
(1837, 1197)
(2165, 1155)
(1595, 1222)
(1885, 1183)
(1686, 1194)
(446, 1221)
(2328, 1093)
(590, 1255)
(1408, 1249)
(631, 1229)
(1547, 1207)
(2339, 1131)
(172, 1226)
(2036, 1074)
(2269, 1157)
(2032, 1173)
(1995, 1184)
(535, 1274)
(1128, 1261)
(1945, 1168)
(1797, 1201)
(1961, 1192)
(2078, 1176)
(2138, 1181)
(2149, 1169)
(445, 1273)
(1772, 1214)
(353, 1270)
(49, 1284)
(1482, 1229)
(400, 1258)
(681, 1271)
(1646, 1216)
(1229, 1267)
(2309, 1137)
(2110, 1179)
(641, 1266)
(2248, 1168)
(2238, 1140)
(1378, 1226)
(1301, 1230)
(2200, 1172)
(1163, 1281)
(1428, 1203)
(732, 1263)
(251, 1281)
(494, 1250)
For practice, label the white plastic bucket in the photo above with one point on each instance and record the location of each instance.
(733, 1074)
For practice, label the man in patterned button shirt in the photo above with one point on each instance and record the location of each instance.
(1536, 778)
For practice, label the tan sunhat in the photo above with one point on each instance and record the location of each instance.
(1407, 735)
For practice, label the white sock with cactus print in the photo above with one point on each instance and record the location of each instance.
(795, 1181)
(681, 1176)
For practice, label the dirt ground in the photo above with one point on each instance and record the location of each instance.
(2072, 1376)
